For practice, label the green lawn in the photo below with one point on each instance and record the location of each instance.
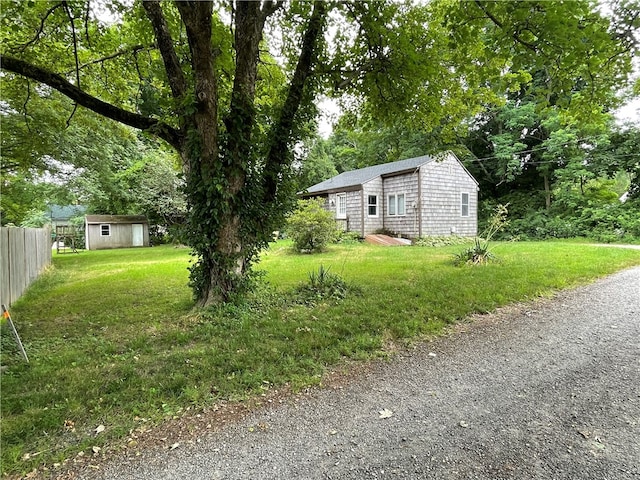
(113, 340)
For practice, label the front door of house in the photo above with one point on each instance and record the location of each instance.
(138, 234)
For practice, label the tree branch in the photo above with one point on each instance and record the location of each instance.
(500, 25)
(133, 50)
(41, 29)
(177, 81)
(24, 106)
(278, 151)
(196, 17)
(59, 83)
(270, 7)
(75, 55)
(86, 22)
(249, 23)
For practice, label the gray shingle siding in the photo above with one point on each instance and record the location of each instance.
(442, 186)
(373, 224)
(353, 220)
(354, 211)
(407, 185)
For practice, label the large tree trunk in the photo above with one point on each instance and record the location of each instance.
(223, 258)
(237, 232)
(224, 277)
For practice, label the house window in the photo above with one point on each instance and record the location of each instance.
(372, 206)
(395, 206)
(464, 205)
(105, 230)
(341, 205)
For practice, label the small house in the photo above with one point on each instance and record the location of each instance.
(61, 215)
(416, 197)
(116, 231)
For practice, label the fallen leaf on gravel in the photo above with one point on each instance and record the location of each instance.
(385, 413)
(174, 446)
(99, 429)
(464, 424)
(27, 456)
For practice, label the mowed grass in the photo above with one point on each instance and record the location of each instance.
(113, 339)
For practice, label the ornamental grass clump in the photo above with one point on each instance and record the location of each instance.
(322, 286)
(480, 253)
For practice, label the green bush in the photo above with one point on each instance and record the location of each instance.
(597, 215)
(345, 237)
(603, 223)
(311, 227)
(441, 241)
(35, 219)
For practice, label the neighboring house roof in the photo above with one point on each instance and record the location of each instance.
(122, 219)
(65, 212)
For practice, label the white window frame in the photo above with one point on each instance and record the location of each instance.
(102, 230)
(397, 205)
(341, 202)
(465, 205)
(374, 205)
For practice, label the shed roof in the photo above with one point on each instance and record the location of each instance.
(121, 219)
(363, 175)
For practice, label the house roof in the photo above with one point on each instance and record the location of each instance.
(361, 176)
(121, 219)
(65, 212)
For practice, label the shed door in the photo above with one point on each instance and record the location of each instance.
(138, 234)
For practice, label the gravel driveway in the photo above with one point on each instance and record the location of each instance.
(549, 390)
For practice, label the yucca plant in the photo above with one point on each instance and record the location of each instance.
(323, 285)
(479, 253)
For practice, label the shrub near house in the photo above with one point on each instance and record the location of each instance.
(311, 227)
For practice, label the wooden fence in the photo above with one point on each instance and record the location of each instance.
(24, 253)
